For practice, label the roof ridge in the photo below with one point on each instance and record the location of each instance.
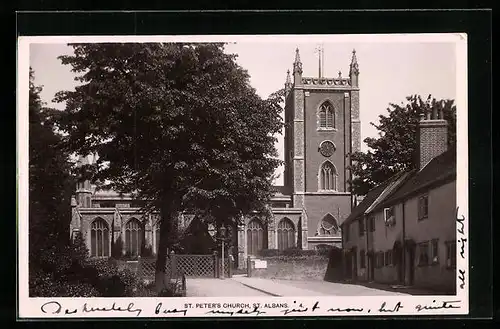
(391, 188)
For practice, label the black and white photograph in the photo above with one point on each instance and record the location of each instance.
(273, 175)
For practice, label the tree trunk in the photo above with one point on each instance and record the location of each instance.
(167, 218)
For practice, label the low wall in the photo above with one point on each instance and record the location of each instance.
(309, 268)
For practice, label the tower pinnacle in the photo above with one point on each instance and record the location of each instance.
(297, 65)
(354, 63)
(354, 69)
(297, 55)
(288, 83)
(288, 79)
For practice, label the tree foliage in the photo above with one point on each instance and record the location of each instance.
(50, 182)
(396, 147)
(176, 124)
(51, 255)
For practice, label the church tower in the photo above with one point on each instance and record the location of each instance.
(83, 187)
(322, 129)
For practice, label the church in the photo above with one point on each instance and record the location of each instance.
(322, 129)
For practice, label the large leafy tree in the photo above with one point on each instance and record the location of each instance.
(395, 148)
(50, 181)
(178, 125)
(50, 187)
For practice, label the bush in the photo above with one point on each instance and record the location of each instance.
(291, 252)
(110, 280)
(145, 290)
(78, 289)
(68, 272)
(269, 252)
(42, 284)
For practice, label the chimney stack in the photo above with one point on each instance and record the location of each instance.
(432, 136)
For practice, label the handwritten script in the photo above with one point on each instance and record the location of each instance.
(54, 307)
(462, 240)
(297, 308)
(438, 306)
(241, 311)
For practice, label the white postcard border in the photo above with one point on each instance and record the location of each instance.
(299, 306)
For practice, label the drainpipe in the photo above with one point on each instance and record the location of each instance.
(367, 268)
(404, 244)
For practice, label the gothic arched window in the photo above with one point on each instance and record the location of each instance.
(326, 116)
(328, 177)
(328, 226)
(255, 236)
(133, 237)
(286, 234)
(99, 238)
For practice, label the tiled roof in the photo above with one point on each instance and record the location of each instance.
(440, 169)
(370, 197)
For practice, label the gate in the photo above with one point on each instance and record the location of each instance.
(201, 266)
(192, 265)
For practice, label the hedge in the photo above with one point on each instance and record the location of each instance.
(323, 250)
(66, 271)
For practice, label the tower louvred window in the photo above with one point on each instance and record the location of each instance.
(328, 177)
(326, 116)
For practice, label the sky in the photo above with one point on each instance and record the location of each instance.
(390, 69)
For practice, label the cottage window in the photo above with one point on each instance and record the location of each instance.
(423, 207)
(99, 238)
(379, 259)
(388, 258)
(389, 217)
(435, 251)
(451, 254)
(361, 224)
(423, 254)
(371, 223)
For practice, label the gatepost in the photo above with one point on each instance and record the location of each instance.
(216, 265)
(173, 264)
(249, 266)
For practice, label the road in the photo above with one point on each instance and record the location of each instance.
(250, 287)
(208, 287)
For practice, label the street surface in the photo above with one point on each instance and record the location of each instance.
(200, 287)
(243, 286)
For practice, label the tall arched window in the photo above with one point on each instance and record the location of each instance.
(286, 234)
(133, 237)
(328, 226)
(99, 238)
(328, 177)
(326, 116)
(255, 237)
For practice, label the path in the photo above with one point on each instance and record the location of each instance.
(244, 286)
(339, 289)
(200, 287)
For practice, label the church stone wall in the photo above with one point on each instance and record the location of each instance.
(356, 123)
(317, 206)
(314, 137)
